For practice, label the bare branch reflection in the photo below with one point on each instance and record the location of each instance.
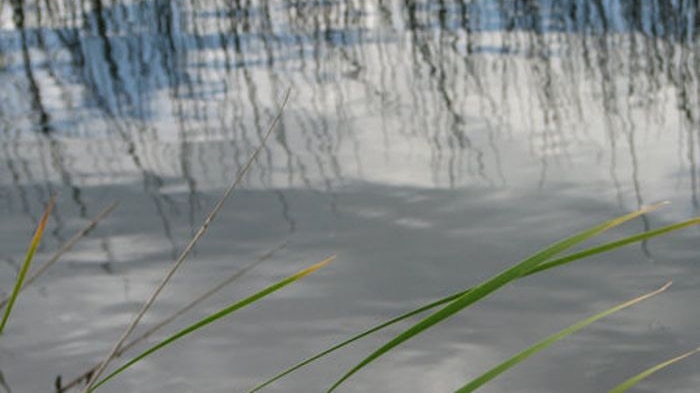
(431, 94)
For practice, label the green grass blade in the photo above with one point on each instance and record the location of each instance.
(489, 286)
(615, 244)
(355, 338)
(216, 316)
(544, 266)
(501, 368)
(623, 387)
(36, 239)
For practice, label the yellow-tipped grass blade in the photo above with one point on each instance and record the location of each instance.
(36, 239)
(216, 316)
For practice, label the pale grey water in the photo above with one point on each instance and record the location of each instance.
(428, 144)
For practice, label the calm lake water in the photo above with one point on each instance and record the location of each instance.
(428, 144)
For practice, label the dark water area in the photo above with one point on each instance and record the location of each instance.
(428, 144)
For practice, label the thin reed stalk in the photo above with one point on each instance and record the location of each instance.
(64, 248)
(61, 387)
(188, 249)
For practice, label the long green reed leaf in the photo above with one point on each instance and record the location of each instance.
(36, 239)
(489, 286)
(214, 317)
(623, 387)
(540, 268)
(501, 368)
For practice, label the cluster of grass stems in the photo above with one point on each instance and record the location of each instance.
(437, 311)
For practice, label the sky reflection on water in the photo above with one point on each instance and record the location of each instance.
(418, 136)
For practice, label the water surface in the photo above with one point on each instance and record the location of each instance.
(428, 144)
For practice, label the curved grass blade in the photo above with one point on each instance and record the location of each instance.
(214, 317)
(540, 268)
(623, 387)
(496, 371)
(36, 239)
(489, 286)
